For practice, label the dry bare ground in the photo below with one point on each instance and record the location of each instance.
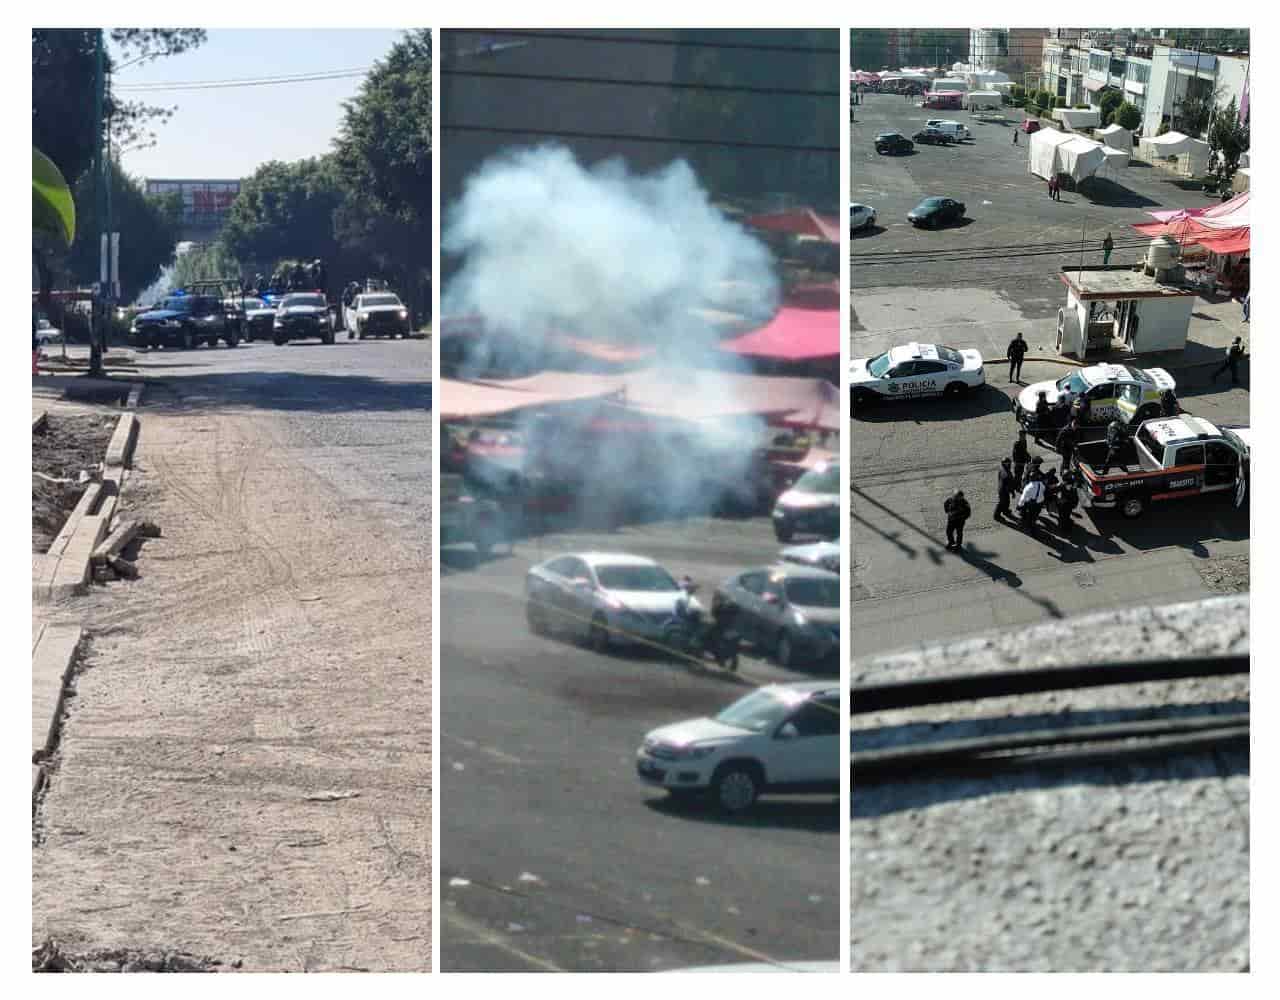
(245, 771)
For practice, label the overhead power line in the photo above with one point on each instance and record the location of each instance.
(662, 84)
(266, 81)
(620, 137)
(681, 43)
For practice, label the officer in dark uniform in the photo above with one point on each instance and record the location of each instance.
(1066, 501)
(1115, 444)
(1005, 487)
(1016, 352)
(957, 510)
(1021, 454)
(1044, 413)
(1169, 404)
(1068, 438)
(1234, 353)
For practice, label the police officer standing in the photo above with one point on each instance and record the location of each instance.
(1005, 487)
(1066, 501)
(1169, 404)
(1068, 438)
(957, 511)
(1044, 415)
(1115, 444)
(1021, 454)
(1016, 352)
(1234, 353)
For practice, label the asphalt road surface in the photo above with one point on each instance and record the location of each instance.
(245, 770)
(553, 855)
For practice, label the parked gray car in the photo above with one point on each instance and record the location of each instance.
(791, 612)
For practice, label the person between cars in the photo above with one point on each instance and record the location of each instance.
(1044, 415)
(1115, 444)
(1017, 350)
(1021, 454)
(1032, 498)
(1004, 487)
(957, 510)
(1066, 501)
(1068, 438)
(1169, 404)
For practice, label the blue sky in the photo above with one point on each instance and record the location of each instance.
(227, 132)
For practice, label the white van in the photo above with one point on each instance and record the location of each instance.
(953, 129)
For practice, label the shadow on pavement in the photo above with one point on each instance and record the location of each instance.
(1218, 521)
(1105, 192)
(821, 814)
(980, 402)
(872, 799)
(291, 392)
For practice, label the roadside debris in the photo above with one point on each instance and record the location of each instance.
(50, 957)
(331, 796)
(66, 456)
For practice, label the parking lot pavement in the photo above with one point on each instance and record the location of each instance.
(1000, 286)
(555, 855)
(907, 457)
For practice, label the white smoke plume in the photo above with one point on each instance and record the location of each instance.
(550, 246)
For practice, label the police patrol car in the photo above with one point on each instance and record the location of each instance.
(1113, 391)
(915, 370)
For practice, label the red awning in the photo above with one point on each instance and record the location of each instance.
(1232, 241)
(458, 400)
(801, 222)
(792, 335)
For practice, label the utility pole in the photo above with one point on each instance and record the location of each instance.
(97, 328)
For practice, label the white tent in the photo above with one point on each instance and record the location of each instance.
(1079, 157)
(980, 99)
(1177, 144)
(1042, 154)
(1116, 137)
(1116, 158)
(951, 83)
(1078, 118)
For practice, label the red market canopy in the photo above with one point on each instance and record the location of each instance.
(1221, 229)
(459, 400)
(794, 334)
(801, 222)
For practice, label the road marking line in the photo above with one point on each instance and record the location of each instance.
(506, 758)
(497, 941)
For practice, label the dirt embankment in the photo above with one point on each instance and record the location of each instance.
(67, 446)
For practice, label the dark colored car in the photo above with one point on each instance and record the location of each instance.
(186, 321)
(934, 212)
(893, 142)
(789, 612)
(934, 137)
(258, 317)
(301, 315)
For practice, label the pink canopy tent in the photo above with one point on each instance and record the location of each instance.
(1221, 229)
(794, 334)
(799, 221)
(458, 400)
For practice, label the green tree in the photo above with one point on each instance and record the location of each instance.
(1108, 103)
(1228, 139)
(203, 262)
(285, 210)
(1193, 112)
(148, 230)
(1127, 116)
(382, 155)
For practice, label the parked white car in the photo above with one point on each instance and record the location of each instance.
(956, 129)
(781, 738)
(914, 370)
(861, 217)
(604, 598)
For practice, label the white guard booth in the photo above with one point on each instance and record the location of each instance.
(1078, 118)
(1107, 305)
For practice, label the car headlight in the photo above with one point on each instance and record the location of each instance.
(404, 313)
(172, 322)
(799, 618)
(696, 752)
(133, 327)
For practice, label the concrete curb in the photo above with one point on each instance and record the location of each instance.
(135, 396)
(53, 652)
(120, 449)
(39, 421)
(66, 568)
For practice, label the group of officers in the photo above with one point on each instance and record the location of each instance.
(296, 277)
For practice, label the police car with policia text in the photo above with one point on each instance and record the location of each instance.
(1122, 392)
(915, 370)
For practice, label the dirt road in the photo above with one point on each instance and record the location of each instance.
(245, 772)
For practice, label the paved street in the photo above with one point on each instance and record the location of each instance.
(245, 770)
(553, 855)
(906, 457)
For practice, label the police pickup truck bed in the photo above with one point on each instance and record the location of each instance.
(1170, 458)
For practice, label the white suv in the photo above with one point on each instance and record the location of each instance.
(780, 738)
(954, 129)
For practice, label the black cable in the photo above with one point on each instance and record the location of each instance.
(610, 137)
(997, 248)
(143, 88)
(666, 85)
(641, 40)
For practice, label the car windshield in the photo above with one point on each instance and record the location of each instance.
(651, 578)
(177, 303)
(1072, 383)
(889, 135)
(823, 479)
(303, 300)
(759, 711)
(1138, 375)
(930, 203)
(379, 300)
(813, 592)
(950, 354)
(878, 366)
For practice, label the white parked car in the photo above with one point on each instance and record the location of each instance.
(378, 314)
(861, 217)
(602, 598)
(47, 333)
(824, 555)
(914, 370)
(956, 129)
(781, 738)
